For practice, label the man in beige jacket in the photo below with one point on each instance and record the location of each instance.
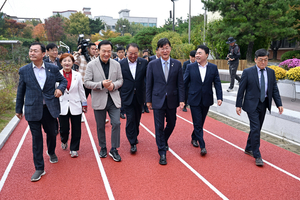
(104, 76)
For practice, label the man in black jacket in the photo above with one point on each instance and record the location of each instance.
(233, 61)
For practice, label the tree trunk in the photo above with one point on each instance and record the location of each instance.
(275, 46)
(249, 52)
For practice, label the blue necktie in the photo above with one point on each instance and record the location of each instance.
(262, 86)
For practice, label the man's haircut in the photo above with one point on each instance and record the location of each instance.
(163, 41)
(51, 46)
(120, 48)
(43, 48)
(66, 55)
(105, 42)
(132, 45)
(156, 49)
(145, 50)
(91, 44)
(261, 53)
(193, 53)
(60, 52)
(205, 48)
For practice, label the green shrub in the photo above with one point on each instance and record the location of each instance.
(7, 96)
(289, 55)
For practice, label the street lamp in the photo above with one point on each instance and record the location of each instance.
(124, 26)
(173, 14)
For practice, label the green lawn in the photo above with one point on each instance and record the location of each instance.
(5, 118)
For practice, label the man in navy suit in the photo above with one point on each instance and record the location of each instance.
(164, 93)
(38, 93)
(257, 88)
(199, 77)
(156, 56)
(190, 61)
(133, 92)
(121, 56)
(52, 52)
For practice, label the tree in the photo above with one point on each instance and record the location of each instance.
(120, 41)
(135, 28)
(144, 37)
(79, 24)
(108, 34)
(27, 31)
(96, 25)
(13, 28)
(246, 20)
(2, 24)
(123, 26)
(39, 32)
(54, 27)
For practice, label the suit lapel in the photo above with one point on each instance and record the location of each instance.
(127, 68)
(138, 67)
(160, 70)
(100, 68)
(255, 76)
(74, 80)
(32, 76)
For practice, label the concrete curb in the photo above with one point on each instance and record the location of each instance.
(6, 132)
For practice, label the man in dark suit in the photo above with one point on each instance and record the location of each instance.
(37, 86)
(164, 93)
(257, 88)
(52, 52)
(199, 77)
(133, 92)
(190, 61)
(156, 56)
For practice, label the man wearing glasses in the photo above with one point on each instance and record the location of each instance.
(257, 88)
(52, 52)
(164, 93)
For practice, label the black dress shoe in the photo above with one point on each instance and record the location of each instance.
(259, 161)
(147, 110)
(250, 153)
(122, 116)
(163, 160)
(137, 141)
(103, 152)
(184, 109)
(167, 148)
(203, 152)
(133, 149)
(195, 143)
(143, 110)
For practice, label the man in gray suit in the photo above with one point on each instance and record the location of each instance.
(104, 77)
(37, 92)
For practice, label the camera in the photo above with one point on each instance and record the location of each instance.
(230, 55)
(83, 44)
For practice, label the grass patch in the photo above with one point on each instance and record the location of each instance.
(6, 117)
(225, 81)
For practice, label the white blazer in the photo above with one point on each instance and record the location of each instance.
(74, 97)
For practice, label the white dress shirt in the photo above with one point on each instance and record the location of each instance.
(132, 67)
(202, 70)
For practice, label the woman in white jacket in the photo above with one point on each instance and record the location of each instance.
(72, 104)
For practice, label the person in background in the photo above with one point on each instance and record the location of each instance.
(59, 54)
(52, 52)
(146, 58)
(120, 53)
(145, 52)
(72, 104)
(156, 56)
(233, 60)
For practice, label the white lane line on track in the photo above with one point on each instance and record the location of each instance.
(190, 168)
(12, 160)
(272, 165)
(102, 171)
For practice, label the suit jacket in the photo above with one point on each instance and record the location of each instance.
(74, 97)
(157, 87)
(152, 58)
(57, 60)
(30, 89)
(132, 85)
(94, 76)
(248, 95)
(199, 90)
(185, 66)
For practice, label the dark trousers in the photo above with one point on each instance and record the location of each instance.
(256, 119)
(133, 114)
(199, 114)
(64, 121)
(162, 133)
(114, 114)
(233, 66)
(87, 91)
(50, 127)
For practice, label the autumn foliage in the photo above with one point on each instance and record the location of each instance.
(39, 32)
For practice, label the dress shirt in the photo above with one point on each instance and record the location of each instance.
(202, 70)
(53, 62)
(266, 78)
(132, 67)
(40, 74)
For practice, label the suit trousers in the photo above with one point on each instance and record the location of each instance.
(64, 121)
(233, 66)
(133, 117)
(50, 127)
(162, 133)
(114, 114)
(199, 114)
(256, 119)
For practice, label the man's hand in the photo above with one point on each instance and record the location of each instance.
(106, 83)
(219, 102)
(57, 93)
(19, 115)
(149, 105)
(238, 110)
(182, 105)
(111, 87)
(280, 109)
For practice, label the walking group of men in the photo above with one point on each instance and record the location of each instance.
(122, 82)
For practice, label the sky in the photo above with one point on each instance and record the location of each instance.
(138, 8)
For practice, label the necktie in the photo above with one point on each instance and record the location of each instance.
(166, 71)
(262, 86)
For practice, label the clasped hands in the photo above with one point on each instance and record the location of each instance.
(108, 84)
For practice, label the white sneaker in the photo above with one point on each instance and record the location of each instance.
(74, 154)
(229, 90)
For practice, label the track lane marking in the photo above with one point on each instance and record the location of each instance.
(190, 168)
(272, 165)
(101, 168)
(13, 158)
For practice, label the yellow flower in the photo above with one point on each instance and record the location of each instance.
(280, 73)
(294, 74)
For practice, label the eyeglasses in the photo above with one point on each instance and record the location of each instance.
(165, 49)
(136, 53)
(262, 60)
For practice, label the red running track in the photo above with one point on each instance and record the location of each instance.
(224, 173)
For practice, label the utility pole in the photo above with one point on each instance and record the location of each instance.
(190, 23)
